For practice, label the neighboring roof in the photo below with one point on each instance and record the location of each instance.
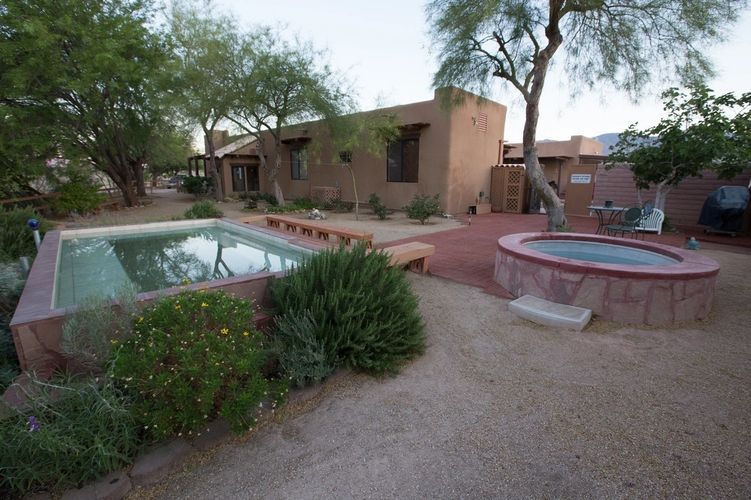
(234, 146)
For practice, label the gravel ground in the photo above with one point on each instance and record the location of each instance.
(168, 203)
(499, 407)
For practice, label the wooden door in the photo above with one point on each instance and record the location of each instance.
(496, 189)
(513, 190)
(580, 189)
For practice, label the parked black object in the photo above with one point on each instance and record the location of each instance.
(724, 208)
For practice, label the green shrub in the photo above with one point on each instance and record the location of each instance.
(361, 312)
(422, 207)
(191, 358)
(197, 186)
(378, 207)
(70, 435)
(203, 210)
(302, 355)
(11, 286)
(95, 328)
(77, 196)
(16, 239)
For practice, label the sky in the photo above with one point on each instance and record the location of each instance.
(384, 49)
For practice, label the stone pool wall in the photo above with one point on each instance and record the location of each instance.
(654, 295)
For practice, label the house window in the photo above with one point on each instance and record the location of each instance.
(402, 160)
(299, 160)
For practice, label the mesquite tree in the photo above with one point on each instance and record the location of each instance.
(203, 45)
(626, 43)
(276, 84)
(86, 69)
(700, 132)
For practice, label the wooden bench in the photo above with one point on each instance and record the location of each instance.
(416, 255)
(319, 230)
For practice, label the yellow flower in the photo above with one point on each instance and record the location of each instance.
(204, 304)
(140, 319)
(224, 331)
(245, 334)
(178, 307)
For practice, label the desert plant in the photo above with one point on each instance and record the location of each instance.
(91, 332)
(16, 239)
(361, 312)
(193, 357)
(203, 210)
(197, 186)
(70, 434)
(378, 207)
(301, 354)
(422, 207)
(77, 196)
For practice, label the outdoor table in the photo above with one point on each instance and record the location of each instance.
(600, 211)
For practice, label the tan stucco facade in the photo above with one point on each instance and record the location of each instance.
(457, 147)
(558, 156)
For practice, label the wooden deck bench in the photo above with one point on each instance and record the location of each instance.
(319, 230)
(416, 255)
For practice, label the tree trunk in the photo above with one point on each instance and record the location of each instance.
(212, 170)
(275, 172)
(661, 195)
(140, 183)
(553, 204)
(354, 189)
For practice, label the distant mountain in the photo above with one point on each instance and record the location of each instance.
(609, 140)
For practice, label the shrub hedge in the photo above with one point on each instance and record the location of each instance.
(352, 310)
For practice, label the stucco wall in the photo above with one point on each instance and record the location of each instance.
(454, 157)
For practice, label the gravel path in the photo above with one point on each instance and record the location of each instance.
(499, 407)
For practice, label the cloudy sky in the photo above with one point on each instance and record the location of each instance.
(383, 47)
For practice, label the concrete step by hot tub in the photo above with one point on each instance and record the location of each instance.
(549, 313)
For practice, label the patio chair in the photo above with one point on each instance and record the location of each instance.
(628, 224)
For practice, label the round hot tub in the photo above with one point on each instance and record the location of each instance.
(628, 281)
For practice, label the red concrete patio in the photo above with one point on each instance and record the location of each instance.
(467, 254)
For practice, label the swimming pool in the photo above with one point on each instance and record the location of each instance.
(157, 258)
(97, 263)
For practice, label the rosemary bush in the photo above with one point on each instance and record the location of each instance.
(378, 207)
(422, 207)
(353, 308)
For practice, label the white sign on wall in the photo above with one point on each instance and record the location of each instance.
(581, 178)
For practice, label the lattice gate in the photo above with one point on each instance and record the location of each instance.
(508, 189)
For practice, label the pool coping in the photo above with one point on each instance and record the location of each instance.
(690, 265)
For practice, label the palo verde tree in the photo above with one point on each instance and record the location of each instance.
(701, 131)
(276, 84)
(626, 43)
(367, 133)
(203, 47)
(88, 66)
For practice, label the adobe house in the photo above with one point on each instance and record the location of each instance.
(446, 151)
(557, 157)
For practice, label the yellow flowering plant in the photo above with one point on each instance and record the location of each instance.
(187, 365)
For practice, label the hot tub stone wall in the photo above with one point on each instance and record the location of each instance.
(645, 300)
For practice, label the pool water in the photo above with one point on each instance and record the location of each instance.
(100, 265)
(600, 252)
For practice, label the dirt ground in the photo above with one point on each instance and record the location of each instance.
(165, 204)
(499, 407)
